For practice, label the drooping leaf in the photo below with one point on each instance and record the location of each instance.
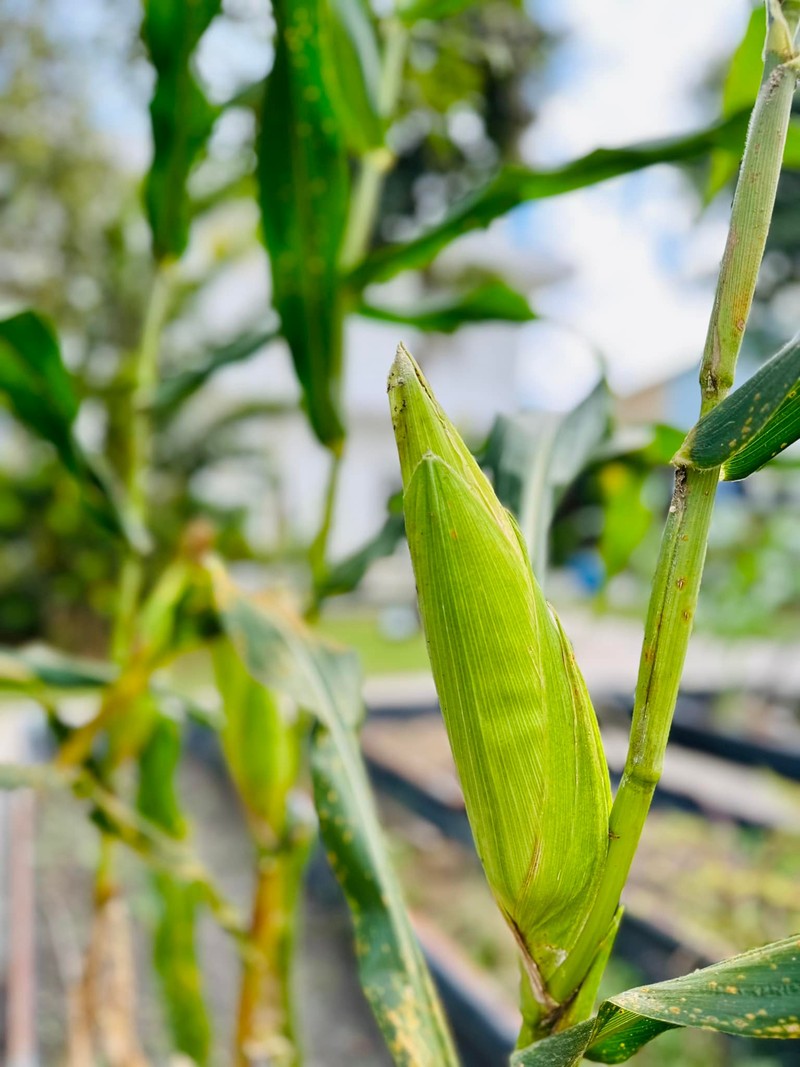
(354, 68)
(172, 392)
(39, 387)
(493, 301)
(516, 184)
(303, 190)
(535, 456)
(282, 654)
(739, 91)
(174, 949)
(753, 995)
(41, 393)
(521, 726)
(753, 423)
(180, 114)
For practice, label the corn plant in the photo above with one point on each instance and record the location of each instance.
(289, 706)
(555, 849)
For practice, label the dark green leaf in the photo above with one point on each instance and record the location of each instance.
(535, 456)
(282, 654)
(172, 392)
(345, 576)
(174, 949)
(180, 114)
(41, 393)
(752, 424)
(355, 70)
(39, 387)
(303, 183)
(516, 184)
(491, 301)
(753, 995)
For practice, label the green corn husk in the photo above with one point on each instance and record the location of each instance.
(521, 726)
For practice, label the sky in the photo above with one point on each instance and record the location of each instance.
(641, 255)
(638, 256)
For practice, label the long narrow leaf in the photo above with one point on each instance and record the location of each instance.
(756, 994)
(180, 114)
(283, 655)
(516, 184)
(42, 395)
(303, 189)
(493, 301)
(172, 392)
(753, 423)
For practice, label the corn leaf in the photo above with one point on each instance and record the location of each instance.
(41, 393)
(355, 73)
(492, 301)
(521, 726)
(535, 456)
(753, 424)
(752, 995)
(303, 190)
(174, 949)
(739, 91)
(516, 184)
(172, 392)
(285, 657)
(37, 667)
(180, 115)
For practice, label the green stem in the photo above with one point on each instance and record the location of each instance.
(676, 583)
(375, 164)
(138, 434)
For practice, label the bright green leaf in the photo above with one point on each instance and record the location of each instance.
(753, 423)
(303, 183)
(180, 114)
(516, 184)
(492, 301)
(739, 91)
(354, 73)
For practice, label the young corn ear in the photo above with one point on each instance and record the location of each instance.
(521, 726)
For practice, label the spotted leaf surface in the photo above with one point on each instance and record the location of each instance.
(283, 654)
(753, 424)
(754, 995)
(303, 189)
